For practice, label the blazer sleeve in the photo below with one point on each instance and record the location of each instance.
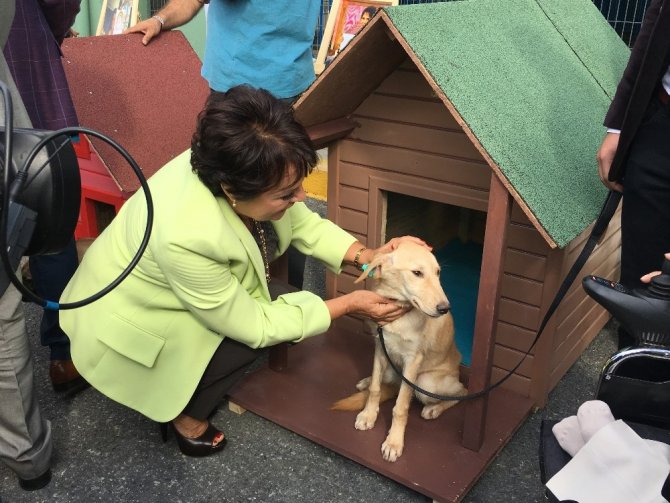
(618, 107)
(316, 236)
(236, 305)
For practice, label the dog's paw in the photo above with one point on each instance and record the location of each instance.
(365, 420)
(432, 411)
(363, 384)
(391, 450)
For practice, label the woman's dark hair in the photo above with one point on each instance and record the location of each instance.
(370, 10)
(246, 140)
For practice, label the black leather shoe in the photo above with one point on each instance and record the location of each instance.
(65, 378)
(36, 483)
(197, 447)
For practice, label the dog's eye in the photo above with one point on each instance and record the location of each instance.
(418, 274)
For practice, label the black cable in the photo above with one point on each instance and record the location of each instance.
(599, 227)
(18, 185)
(44, 165)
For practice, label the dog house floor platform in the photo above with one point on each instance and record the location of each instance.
(326, 368)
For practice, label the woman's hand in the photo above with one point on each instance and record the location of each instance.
(368, 304)
(379, 309)
(395, 242)
(367, 255)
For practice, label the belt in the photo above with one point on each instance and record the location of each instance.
(663, 95)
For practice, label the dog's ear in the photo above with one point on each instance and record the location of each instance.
(374, 268)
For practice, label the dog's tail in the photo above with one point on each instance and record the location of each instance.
(357, 400)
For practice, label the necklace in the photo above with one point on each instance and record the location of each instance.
(264, 248)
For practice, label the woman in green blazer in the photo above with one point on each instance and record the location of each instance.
(172, 338)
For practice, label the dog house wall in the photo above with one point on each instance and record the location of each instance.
(407, 142)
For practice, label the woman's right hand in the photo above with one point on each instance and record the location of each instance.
(368, 255)
(393, 243)
(368, 304)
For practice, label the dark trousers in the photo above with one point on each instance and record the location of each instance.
(645, 219)
(229, 363)
(296, 267)
(51, 274)
(226, 367)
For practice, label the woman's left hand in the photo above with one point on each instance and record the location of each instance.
(393, 243)
(358, 254)
(375, 307)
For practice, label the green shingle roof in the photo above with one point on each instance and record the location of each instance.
(532, 80)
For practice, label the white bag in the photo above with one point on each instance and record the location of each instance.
(616, 466)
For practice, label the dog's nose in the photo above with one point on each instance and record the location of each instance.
(443, 308)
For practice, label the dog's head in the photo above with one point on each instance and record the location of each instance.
(411, 274)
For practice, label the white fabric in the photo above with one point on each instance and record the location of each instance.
(569, 435)
(592, 416)
(573, 432)
(616, 466)
(666, 81)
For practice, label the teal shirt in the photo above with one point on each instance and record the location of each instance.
(264, 44)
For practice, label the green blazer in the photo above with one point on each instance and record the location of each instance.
(146, 344)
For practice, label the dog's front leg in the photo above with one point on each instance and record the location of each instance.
(366, 418)
(395, 441)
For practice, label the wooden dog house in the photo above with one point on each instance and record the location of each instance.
(476, 120)
(146, 98)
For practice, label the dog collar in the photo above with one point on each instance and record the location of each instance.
(371, 272)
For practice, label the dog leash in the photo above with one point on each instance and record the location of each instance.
(608, 210)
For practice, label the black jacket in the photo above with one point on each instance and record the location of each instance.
(641, 79)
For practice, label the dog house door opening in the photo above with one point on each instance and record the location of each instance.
(457, 236)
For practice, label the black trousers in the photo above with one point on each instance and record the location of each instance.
(645, 218)
(51, 274)
(225, 369)
(228, 365)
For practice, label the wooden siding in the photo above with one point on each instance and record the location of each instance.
(580, 317)
(406, 142)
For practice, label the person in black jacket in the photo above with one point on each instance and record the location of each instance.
(634, 157)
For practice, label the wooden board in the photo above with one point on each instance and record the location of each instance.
(144, 98)
(325, 368)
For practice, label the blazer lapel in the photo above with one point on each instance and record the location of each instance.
(247, 240)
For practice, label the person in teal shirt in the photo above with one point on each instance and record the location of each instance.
(264, 44)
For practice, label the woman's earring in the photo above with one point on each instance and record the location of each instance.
(234, 203)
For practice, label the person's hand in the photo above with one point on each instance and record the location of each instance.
(395, 242)
(647, 277)
(150, 27)
(605, 156)
(375, 307)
